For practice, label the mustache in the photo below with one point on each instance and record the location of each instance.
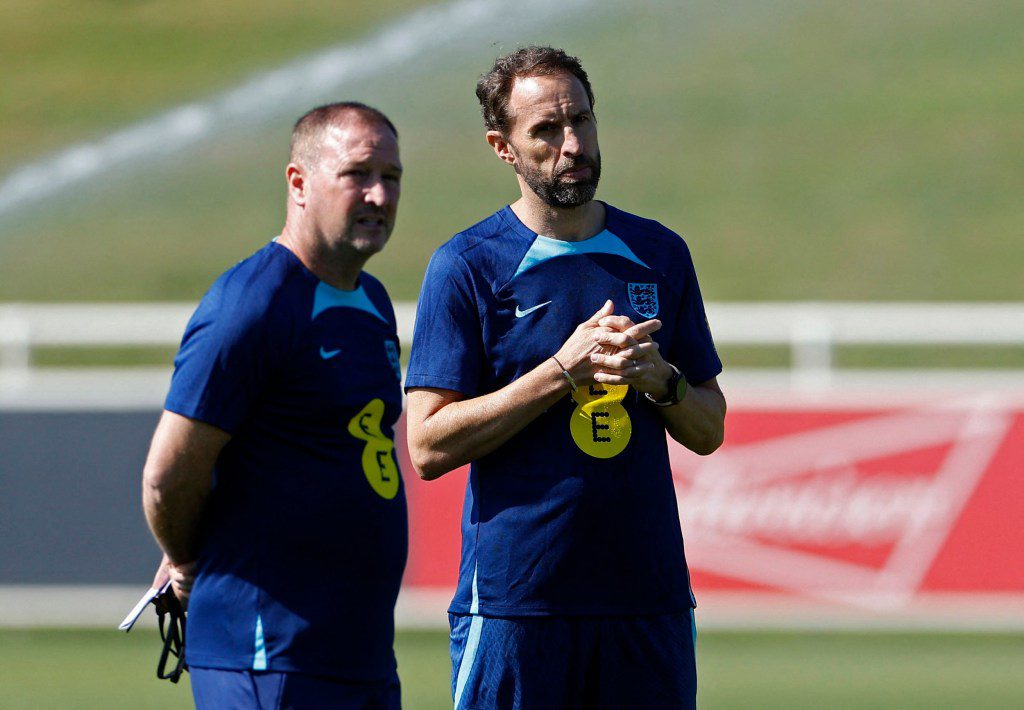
(575, 164)
(371, 211)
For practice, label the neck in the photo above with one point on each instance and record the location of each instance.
(570, 224)
(339, 268)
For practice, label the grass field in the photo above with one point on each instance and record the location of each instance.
(105, 669)
(824, 150)
(86, 67)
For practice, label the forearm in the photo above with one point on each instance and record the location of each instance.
(177, 480)
(698, 421)
(173, 503)
(465, 430)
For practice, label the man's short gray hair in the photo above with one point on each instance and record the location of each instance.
(308, 131)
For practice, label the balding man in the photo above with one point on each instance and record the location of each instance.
(271, 483)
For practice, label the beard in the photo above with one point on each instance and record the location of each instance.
(365, 239)
(559, 192)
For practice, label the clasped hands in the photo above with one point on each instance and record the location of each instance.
(612, 349)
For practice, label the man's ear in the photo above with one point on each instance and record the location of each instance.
(296, 180)
(502, 148)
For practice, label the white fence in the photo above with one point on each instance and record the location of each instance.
(811, 330)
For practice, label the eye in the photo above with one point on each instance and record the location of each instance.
(581, 119)
(357, 173)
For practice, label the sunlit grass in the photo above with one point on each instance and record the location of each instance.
(106, 669)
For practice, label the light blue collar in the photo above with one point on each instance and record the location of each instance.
(327, 296)
(544, 248)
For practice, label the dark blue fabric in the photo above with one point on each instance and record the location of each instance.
(299, 544)
(575, 662)
(215, 689)
(548, 528)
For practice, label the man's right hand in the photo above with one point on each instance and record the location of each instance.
(181, 577)
(574, 355)
(591, 337)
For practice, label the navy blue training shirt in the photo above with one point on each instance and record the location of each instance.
(576, 514)
(305, 536)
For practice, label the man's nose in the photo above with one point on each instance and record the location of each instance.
(571, 142)
(376, 193)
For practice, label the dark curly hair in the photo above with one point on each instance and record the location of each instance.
(495, 86)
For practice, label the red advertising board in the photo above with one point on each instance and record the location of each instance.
(867, 506)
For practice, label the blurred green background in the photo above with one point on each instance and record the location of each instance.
(807, 150)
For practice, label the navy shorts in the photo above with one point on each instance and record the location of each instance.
(216, 689)
(574, 662)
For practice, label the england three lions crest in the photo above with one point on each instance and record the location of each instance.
(644, 299)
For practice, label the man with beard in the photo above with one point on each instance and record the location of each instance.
(271, 484)
(556, 342)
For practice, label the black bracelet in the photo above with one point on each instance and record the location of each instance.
(565, 374)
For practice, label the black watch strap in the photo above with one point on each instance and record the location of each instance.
(676, 385)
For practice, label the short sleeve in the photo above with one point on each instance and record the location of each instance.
(224, 362)
(693, 349)
(447, 344)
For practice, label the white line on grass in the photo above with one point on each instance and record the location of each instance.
(292, 87)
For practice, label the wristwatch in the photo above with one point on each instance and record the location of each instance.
(676, 385)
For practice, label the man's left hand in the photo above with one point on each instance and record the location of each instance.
(637, 361)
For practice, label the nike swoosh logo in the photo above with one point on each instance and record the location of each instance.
(520, 314)
(328, 354)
